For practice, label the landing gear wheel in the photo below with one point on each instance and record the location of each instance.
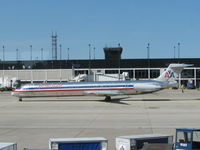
(108, 98)
(20, 99)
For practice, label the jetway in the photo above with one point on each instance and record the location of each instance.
(39, 75)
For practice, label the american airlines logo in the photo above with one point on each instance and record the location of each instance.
(169, 74)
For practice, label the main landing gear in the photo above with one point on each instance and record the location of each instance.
(20, 99)
(108, 98)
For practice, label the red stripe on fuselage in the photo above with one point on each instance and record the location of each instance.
(72, 90)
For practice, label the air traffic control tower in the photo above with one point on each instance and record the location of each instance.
(113, 53)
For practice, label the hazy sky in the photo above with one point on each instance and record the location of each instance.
(132, 23)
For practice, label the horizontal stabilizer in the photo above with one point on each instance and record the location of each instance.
(180, 65)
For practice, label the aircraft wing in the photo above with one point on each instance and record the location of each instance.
(103, 93)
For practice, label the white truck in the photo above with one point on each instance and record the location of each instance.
(136, 142)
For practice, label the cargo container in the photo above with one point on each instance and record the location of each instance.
(94, 143)
(8, 146)
(136, 142)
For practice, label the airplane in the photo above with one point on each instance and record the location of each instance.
(101, 88)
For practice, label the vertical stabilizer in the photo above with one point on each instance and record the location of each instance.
(172, 72)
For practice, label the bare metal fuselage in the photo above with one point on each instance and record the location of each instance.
(88, 88)
(67, 93)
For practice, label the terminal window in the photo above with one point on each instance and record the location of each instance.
(154, 73)
(111, 71)
(141, 74)
(187, 73)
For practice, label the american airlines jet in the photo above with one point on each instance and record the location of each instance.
(107, 89)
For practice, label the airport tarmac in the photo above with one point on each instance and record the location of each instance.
(32, 122)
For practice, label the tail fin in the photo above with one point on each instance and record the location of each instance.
(172, 72)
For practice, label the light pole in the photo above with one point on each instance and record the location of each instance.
(148, 54)
(68, 53)
(42, 53)
(174, 52)
(31, 52)
(89, 58)
(60, 61)
(94, 53)
(179, 50)
(3, 53)
(179, 62)
(17, 54)
(60, 51)
(3, 64)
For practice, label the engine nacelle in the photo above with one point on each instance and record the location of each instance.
(140, 87)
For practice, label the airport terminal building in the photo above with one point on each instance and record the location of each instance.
(65, 70)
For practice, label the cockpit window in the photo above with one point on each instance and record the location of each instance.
(183, 137)
(196, 136)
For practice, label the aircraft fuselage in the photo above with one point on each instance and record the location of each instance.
(88, 88)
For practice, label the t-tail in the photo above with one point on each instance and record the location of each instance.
(172, 72)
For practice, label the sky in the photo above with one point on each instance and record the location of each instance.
(78, 23)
